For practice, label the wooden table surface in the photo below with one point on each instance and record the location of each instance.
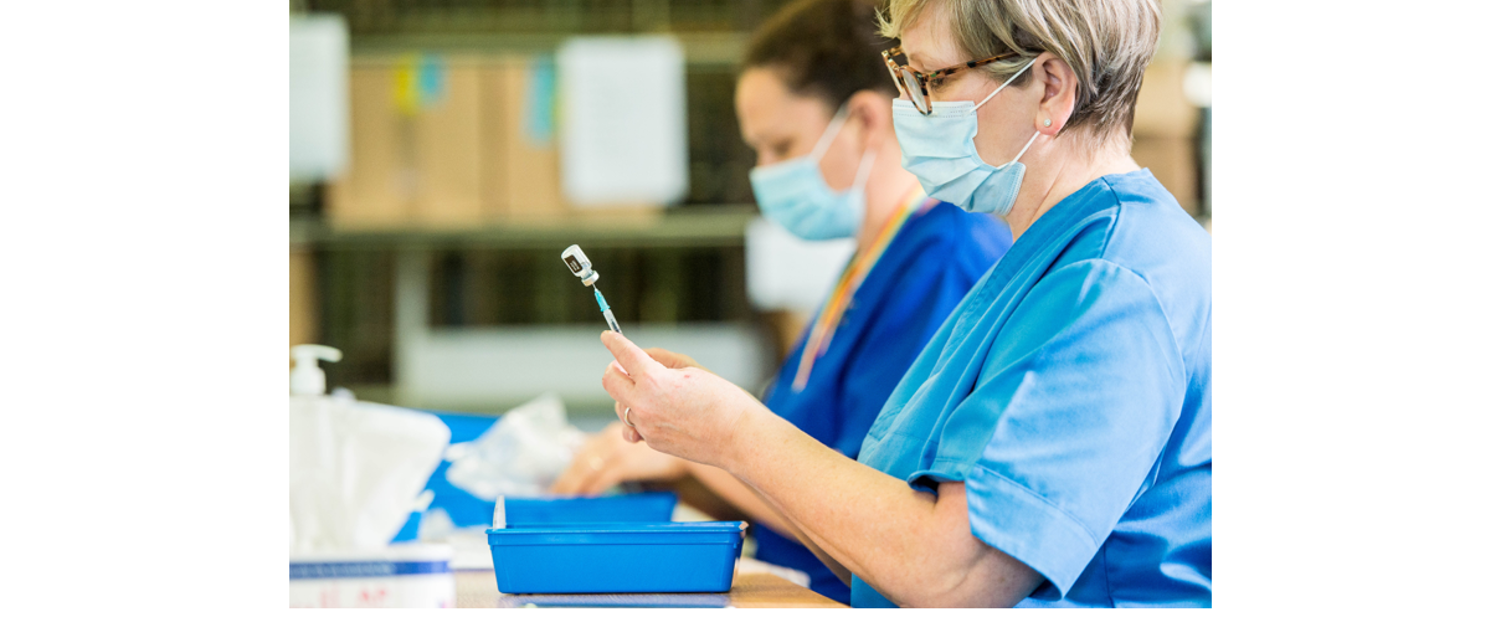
(478, 589)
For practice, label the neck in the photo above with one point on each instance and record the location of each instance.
(888, 186)
(1060, 168)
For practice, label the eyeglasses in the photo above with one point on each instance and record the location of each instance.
(916, 85)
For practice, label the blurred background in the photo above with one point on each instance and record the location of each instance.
(444, 153)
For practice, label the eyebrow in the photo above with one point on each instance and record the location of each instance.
(915, 59)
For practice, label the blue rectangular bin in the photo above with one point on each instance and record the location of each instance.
(634, 507)
(679, 557)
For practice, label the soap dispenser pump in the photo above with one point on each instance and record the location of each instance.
(307, 377)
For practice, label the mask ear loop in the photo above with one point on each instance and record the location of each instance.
(1022, 150)
(830, 133)
(865, 167)
(1005, 84)
(996, 92)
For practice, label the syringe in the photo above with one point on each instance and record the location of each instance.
(581, 267)
(606, 310)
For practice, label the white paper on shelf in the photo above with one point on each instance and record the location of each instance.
(318, 93)
(623, 128)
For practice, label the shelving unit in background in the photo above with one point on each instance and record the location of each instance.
(483, 319)
(416, 304)
(480, 320)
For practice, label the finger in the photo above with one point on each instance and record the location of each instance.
(673, 360)
(570, 482)
(608, 478)
(617, 383)
(669, 359)
(622, 412)
(628, 354)
(631, 434)
(586, 463)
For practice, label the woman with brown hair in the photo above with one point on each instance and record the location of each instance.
(814, 101)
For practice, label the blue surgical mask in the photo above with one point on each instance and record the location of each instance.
(794, 194)
(939, 150)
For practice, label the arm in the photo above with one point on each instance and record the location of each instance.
(1069, 414)
(919, 551)
(607, 460)
(785, 527)
(740, 496)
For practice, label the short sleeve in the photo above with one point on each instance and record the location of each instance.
(1082, 386)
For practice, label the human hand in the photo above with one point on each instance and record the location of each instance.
(607, 460)
(671, 359)
(686, 411)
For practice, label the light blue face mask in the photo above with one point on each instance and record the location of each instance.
(794, 194)
(939, 150)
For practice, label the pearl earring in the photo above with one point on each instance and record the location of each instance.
(1048, 122)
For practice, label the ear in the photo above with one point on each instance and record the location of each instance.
(874, 114)
(1059, 93)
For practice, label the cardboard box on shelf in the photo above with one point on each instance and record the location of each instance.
(447, 147)
(455, 142)
(1162, 109)
(494, 132)
(520, 157)
(372, 192)
(303, 321)
(416, 150)
(1174, 163)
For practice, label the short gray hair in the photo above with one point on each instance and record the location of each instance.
(1107, 43)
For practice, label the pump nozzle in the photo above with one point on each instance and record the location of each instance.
(308, 378)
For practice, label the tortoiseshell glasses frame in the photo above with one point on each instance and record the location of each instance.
(916, 85)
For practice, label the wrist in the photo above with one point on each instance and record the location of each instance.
(750, 437)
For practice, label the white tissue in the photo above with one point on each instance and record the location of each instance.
(435, 525)
(356, 468)
(520, 455)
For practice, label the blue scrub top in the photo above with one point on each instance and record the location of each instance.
(1070, 391)
(933, 260)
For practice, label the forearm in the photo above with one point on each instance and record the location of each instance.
(893, 537)
(732, 495)
(740, 496)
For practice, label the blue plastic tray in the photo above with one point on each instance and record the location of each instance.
(631, 508)
(467, 510)
(681, 557)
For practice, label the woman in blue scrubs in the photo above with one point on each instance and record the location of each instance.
(1052, 444)
(814, 102)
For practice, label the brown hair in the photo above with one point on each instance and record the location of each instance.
(1107, 43)
(829, 49)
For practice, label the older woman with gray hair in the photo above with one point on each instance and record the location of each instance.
(1052, 445)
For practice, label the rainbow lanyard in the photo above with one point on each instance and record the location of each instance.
(857, 270)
